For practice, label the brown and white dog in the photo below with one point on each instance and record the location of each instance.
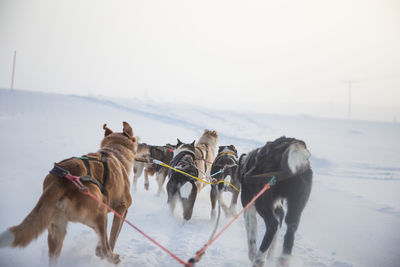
(205, 150)
(61, 202)
(145, 152)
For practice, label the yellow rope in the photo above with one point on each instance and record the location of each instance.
(223, 181)
(226, 152)
(197, 178)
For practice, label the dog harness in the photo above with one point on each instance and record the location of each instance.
(61, 172)
(184, 161)
(228, 153)
(202, 156)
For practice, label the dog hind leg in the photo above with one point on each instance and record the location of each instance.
(213, 198)
(117, 225)
(146, 179)
(251, 230)
(103, 249)
(271, 225)
(223, 205)
(295, 206)
(292, 221)
(138, 170)
(279, 214)
(56, 234)
(172, 190)
(160, 177)
(232, 206)
(188, 203)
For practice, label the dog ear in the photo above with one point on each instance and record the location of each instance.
(233, 148)
(192, 144)
(179, 143)
(107, 130)
(127, 130)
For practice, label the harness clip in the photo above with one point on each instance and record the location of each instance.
(156, 161)
(83, 189)
(195, 259)
(272, 182)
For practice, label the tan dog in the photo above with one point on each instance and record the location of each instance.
(146, 152)
(62, 202)
(205, 150)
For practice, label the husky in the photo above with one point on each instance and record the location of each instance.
(205, 150)
(106, 176)
(286, 159)
(225, 162)
(181, 186)
(142, 162)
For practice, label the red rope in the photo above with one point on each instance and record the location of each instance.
(86, 191)
(199, 253)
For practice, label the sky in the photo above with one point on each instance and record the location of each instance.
(286, 57)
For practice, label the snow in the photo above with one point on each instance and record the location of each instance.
(352, 218)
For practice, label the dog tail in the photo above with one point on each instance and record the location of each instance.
(36, 222)
(296, 158)
(212, 133)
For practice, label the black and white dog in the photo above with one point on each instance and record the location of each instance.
(181, 186)
(226, 162)
(288, 160)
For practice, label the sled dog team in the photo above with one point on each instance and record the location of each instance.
(106, 175)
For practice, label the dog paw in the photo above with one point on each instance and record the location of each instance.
(252, 255)
(258, 263)
(213, 214)
(160, 192)
(115, 258)
(283, 261)
(99, 253)
(232, 210)
(259, 259)
(230, 213)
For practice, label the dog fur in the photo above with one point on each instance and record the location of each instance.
(288, 159)
(227, 161)
(61, 202)
(145, 152)
(205, 149)
(179, 186)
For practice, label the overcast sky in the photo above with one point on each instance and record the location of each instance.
(270, 56)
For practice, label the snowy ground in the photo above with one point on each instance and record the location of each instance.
(352, 218)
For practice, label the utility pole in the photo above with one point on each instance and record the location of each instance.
(13, 70)
(350, 83)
